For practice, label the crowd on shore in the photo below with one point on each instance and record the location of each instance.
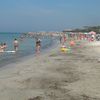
(54, 75)
(63, 37)
(71, 39)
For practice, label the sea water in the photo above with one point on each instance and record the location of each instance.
(26, 46)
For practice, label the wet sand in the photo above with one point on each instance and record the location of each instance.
(54, 76)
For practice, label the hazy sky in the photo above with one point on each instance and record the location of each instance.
(47, 15)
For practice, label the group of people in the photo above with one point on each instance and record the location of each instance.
(63, 40)
(37, 49)
(3, 46)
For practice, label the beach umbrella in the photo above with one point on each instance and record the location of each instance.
(92, 32)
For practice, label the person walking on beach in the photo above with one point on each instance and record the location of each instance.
(16, 44)
(38, 46)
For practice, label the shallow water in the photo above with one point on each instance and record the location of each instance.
(26, 47)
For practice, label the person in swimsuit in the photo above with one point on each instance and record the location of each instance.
(1, 47)
(38, 46)
(16, 44)
(4, 46)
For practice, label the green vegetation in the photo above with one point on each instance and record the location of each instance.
(85, 29)
(89, 28)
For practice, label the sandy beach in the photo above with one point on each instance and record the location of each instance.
(54, 76)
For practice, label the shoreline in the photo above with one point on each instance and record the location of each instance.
(53, 76)
(20, 58)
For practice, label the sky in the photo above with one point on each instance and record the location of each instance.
(47, 15)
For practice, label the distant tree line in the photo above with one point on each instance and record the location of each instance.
(88, 29)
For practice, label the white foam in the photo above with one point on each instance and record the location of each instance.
(10, 51)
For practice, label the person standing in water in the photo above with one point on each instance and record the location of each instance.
(38, 46)
(3, 46)
(16, 44)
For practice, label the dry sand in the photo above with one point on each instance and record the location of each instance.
(54, 76)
